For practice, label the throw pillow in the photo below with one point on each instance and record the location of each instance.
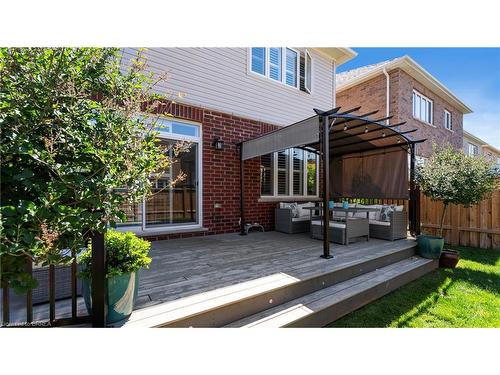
(291, 206)
(386, 213)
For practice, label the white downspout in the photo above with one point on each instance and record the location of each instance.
(387, 94)
(334, 85)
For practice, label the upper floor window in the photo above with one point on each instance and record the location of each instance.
(259, 60)
(292, 172)
(291, 67)
(275, 57)
(473, 149)
(447, 120)
(422, 107)
(285, 65)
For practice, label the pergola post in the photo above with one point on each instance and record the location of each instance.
(414, 206)
(326, 186)
(242, 193)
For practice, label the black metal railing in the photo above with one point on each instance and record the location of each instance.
(98, 277)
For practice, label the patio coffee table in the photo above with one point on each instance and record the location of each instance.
(352, 226)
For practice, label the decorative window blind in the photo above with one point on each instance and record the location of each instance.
(291, 67)
(259, 60)
(283, 173)
(266, 174)
(275, 57)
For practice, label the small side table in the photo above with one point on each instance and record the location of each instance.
(256, 226)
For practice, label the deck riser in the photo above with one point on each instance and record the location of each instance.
(344, 307)
(252, 305)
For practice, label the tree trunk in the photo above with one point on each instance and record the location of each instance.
(442, 220)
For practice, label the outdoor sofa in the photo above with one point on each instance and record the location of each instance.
(389, 222)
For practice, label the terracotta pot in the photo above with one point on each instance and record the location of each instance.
(449, 258)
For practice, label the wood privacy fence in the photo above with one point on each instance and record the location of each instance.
(476, 226)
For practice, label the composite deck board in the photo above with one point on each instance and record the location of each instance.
(236, 259)
(286, 313)
(184, 267)
(249, 270)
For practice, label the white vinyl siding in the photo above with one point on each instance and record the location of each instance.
(447, 120)
(221, 79)
(422, 107)
(259, 60)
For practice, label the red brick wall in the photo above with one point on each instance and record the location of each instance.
(437, 133)
(370, 96)
(221, 172)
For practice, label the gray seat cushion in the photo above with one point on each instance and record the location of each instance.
(379, 222)
(300, 218)
(333, 224)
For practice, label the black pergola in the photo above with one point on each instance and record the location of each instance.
(337, 136)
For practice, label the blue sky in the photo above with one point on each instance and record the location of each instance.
(472, 74)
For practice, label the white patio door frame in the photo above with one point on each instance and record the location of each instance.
(199, 182)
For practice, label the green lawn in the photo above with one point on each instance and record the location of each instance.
(468, 296)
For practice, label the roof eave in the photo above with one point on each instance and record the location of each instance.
(341, 55)
(411, 67)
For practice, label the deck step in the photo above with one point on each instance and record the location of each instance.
(329, 304)
(222, 306)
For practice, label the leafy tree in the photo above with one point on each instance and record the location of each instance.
(76, 145)
(452, 177)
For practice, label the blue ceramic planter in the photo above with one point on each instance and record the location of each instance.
(430, 246)
(121, 295)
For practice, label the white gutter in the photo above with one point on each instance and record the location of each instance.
(387, 94)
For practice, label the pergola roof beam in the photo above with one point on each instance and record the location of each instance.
(366, 122)
(363, 132)
(381, 137)
(348, 111)
(355, 119)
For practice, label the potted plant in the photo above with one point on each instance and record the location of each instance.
(125, 255)
(452, 177)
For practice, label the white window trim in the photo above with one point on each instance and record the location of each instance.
(142, 229)
(290, 195)
(282, 82)
(310, 89)
(446, 112)
(266, 62)
(422, 96)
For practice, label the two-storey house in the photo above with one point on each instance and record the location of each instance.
(475, 146)
(224, 96)
(403, 89)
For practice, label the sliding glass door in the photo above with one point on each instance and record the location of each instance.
(177, 203)
(176, 193)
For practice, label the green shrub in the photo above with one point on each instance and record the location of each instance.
(125, 253)
(452, 177)
(77, 144)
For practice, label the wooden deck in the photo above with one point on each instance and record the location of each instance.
(188, 267)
